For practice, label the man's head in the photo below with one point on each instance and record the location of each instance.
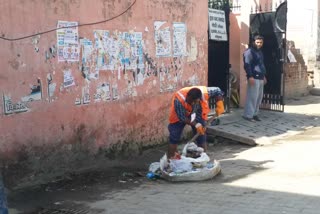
(194, 95)
(258, 41)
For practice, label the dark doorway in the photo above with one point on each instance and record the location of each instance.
(218, 56)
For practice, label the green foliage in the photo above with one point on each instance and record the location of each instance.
(219, 4)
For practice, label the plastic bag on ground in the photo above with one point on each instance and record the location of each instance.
(180, 166)
(188, 168)
(200, 174)
(154, 167)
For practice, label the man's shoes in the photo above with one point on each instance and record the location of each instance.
(256, 118)
(249, 119)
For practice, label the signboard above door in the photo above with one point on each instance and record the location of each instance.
(217, 25)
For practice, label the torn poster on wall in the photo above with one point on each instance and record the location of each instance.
(68, 79)
(86, 95)
(162, 39)
(88, 67)
(35, 94)
(115, 95)
(103, 93)
(168, 78)
(179, 39)
(118, 49)
(10, 107)
(68, 41)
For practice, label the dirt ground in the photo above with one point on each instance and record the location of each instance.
(63, 196)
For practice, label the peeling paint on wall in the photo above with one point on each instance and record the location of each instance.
(86, 95)
(35, 41)
(115, 94)
(35, 94)
(193, 50)
(51, 87)
(51, 53)
(103, 93)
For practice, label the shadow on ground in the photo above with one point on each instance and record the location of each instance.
(95, 185)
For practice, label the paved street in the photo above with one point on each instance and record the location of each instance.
(281, 177)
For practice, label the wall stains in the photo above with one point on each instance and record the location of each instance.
(51, 53)
(51, 87)
(15, 64)
(35, 42)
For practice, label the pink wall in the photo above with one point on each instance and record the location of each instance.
(138, 114)
(234, 46)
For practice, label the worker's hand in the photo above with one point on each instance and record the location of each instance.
(219, 107)
(200, 129)
(193, 123)
(251, 81)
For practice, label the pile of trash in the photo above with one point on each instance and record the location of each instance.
(192, 165)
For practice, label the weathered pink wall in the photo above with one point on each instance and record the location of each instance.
(234, 46)
(139, 115)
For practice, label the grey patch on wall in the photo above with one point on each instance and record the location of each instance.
(115, 95)
(151, 67)
(35, 94)
(51, 87)
(10, 107)
(77, 101)
(51, 52)
(15, 64)
(86, 95)
(35, 41)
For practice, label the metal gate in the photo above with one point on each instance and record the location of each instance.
(272, 26)
(218, 55)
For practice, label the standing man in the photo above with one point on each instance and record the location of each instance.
(256, 75)
(185, 102)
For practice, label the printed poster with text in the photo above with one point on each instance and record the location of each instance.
(217, 25)
(68, 41)
(117, 49)
(162, 39)
(179, 39)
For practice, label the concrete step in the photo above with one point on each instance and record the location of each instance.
(274, 125)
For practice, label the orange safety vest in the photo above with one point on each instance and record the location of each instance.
(181, 96)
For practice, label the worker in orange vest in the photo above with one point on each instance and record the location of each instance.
(185, 102)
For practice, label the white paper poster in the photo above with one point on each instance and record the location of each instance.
(68, 79)
(68, 41)
(162, 39)
(88, 67)
(217, 25)
(179, 39)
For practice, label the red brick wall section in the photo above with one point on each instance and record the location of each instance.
(296, 80)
